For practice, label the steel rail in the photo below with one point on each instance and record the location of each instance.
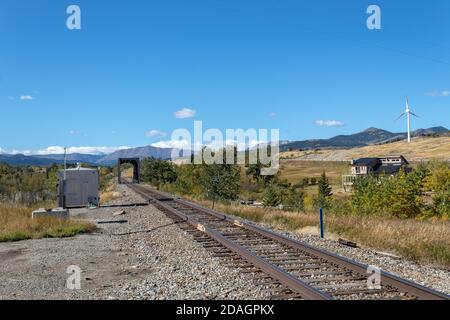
(387, 278)
(403, 285)
(296, 285)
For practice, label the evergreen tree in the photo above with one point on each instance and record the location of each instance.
(272, 197)
(325, 194)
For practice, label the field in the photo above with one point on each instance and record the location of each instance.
(294, 171)
(420, 149)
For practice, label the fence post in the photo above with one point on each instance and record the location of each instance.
(321, 224)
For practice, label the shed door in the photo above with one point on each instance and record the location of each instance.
(72, 192)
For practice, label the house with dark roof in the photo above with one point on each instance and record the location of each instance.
(382, 166)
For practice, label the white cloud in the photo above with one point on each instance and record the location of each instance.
(60, 150)
(2, 151)
(155, 133)
(445, 93)
(214, 145)
(184, 113)
(23, 98)
(329, 123)
(25, 152)
(169, 144)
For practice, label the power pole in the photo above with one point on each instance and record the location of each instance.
(64, 179)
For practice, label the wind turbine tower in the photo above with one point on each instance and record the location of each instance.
(408, 114)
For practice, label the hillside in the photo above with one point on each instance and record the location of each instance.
(367, 137)
(421, 148)
(23, 160)
(73, 157)
(142, 152)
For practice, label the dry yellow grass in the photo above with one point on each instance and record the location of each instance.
(293, 171)
(109, 193)
(420, 149)
(16, 224)
(107, 196)
(422, 241)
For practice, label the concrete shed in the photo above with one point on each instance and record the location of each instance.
(80, 187)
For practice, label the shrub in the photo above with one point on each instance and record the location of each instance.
(294, 200)
(157, 171)
(272, 197)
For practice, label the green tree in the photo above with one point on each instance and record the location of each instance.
(157, 171)
(254, 171)
(400, 196)
(272, 197)
(325, 195)
(188, 177)
(406, 199)
(370, 195)
(294, 200)
(220, 182)
(438, 182)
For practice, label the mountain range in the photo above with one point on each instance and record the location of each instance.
(371, 136)
(92, 159)
(367, 137)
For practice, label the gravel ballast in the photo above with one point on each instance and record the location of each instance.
(160, 261)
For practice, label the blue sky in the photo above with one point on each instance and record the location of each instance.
(310, 68)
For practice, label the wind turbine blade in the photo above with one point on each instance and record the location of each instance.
(400, 116)
(415, 115)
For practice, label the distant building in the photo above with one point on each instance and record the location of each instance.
(387, 166)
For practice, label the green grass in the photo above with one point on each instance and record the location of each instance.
(16, 224)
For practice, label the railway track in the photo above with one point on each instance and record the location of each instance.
(298, 270)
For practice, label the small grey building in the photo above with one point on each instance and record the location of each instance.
(80, 187)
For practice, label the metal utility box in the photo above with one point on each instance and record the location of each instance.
(80, 187)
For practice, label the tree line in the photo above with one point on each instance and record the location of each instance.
(423, 192)
(30, 185)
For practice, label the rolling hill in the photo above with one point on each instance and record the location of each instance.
(420, 149)
(367, 137)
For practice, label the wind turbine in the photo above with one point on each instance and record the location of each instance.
(408, 113)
